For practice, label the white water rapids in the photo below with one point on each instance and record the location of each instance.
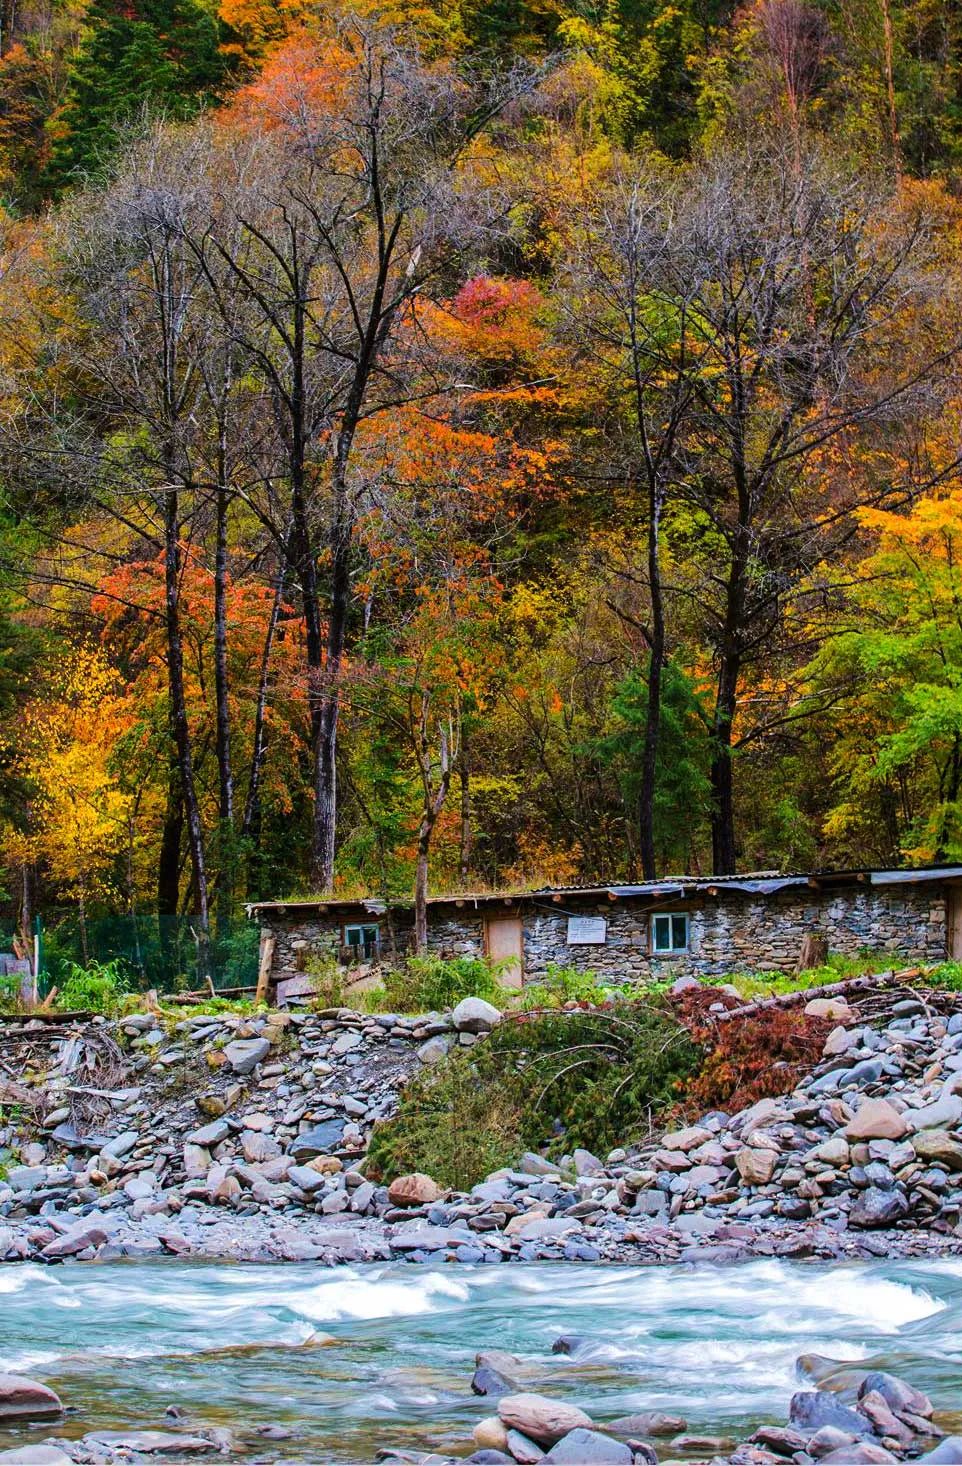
(350, 1359)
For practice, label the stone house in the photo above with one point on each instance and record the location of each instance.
(680, 925)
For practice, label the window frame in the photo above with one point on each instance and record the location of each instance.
(362, 948)
(671, 917)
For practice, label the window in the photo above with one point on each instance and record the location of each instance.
(362, 943)
(669, 933)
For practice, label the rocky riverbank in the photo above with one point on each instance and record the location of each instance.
(851, 1417)
(244, 1138)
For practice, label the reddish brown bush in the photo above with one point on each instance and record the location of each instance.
(764, 1053)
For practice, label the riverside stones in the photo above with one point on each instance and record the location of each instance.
(414, 1190)
(541, 1419)
(822, 1169)
(876, 1119)
(244, 1054)
(22, 1398)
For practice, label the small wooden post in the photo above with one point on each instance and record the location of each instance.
(268, 943)
(814, 952)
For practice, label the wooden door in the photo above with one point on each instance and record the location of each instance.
(953, 923)
(505, 939)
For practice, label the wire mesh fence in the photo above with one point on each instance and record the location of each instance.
(152, 951)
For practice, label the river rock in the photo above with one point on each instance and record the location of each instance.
(490, 1434)
(896, 1392)
(244, 1054)
(38, 1455)
(209, 1135)
(318, 1140)
(523, 1449)
(416, 1189)
(946, 1453)
(22, 1398)
(828, 1439)
(544, 1420)
(942, 1114)
(809, 1410)
(648, 1422)
(877, 1208)
(756, 1167)
(153, 1442)
(836, 1008)
(876, 1119)
(474, 1015)
(78, 1239)
(865, 1453)
(940, 1146)
(684, 1140)
(581, 1447)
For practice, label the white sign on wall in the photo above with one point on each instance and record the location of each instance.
(587, 931)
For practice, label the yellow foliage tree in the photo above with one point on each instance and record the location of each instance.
(80, 817)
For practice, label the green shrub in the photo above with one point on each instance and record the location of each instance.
(10, 992)
(328, 977)
(98, 987)
(948, 976)
(562, 985)
(428, 984)
(594, 1079)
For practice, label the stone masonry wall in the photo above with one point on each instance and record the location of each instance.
(727, 934)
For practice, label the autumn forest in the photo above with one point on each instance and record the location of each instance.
(451, 445)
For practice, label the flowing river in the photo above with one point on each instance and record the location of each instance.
(350, 1359)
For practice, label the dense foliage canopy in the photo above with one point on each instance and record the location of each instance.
(455, 444)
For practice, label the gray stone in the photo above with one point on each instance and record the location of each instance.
(581, 1447)
(22, 1398)
(543, 1420)
(878, 1208)
(211, 1134)
(39, 1455)
(153, 1442)
(244, 1054)
(946, 1453)
(474, 1015)
(812, 1409)
(319, 1140)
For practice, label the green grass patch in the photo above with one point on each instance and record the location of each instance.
(838, 968)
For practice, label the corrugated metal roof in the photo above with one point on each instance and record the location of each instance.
(760, 883)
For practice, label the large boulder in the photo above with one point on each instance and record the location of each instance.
(26, 1399)
(474, 1015)
(414, 1190)
(876, 1119)
(544, 1420)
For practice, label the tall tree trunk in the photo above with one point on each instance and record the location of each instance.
(259, 742)
(656, 663)
(421, 884)
(225, 776)
(464, 775)
(168, 864)
(888, 43)
(720, 776)
(325, 761)
(181, 727)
